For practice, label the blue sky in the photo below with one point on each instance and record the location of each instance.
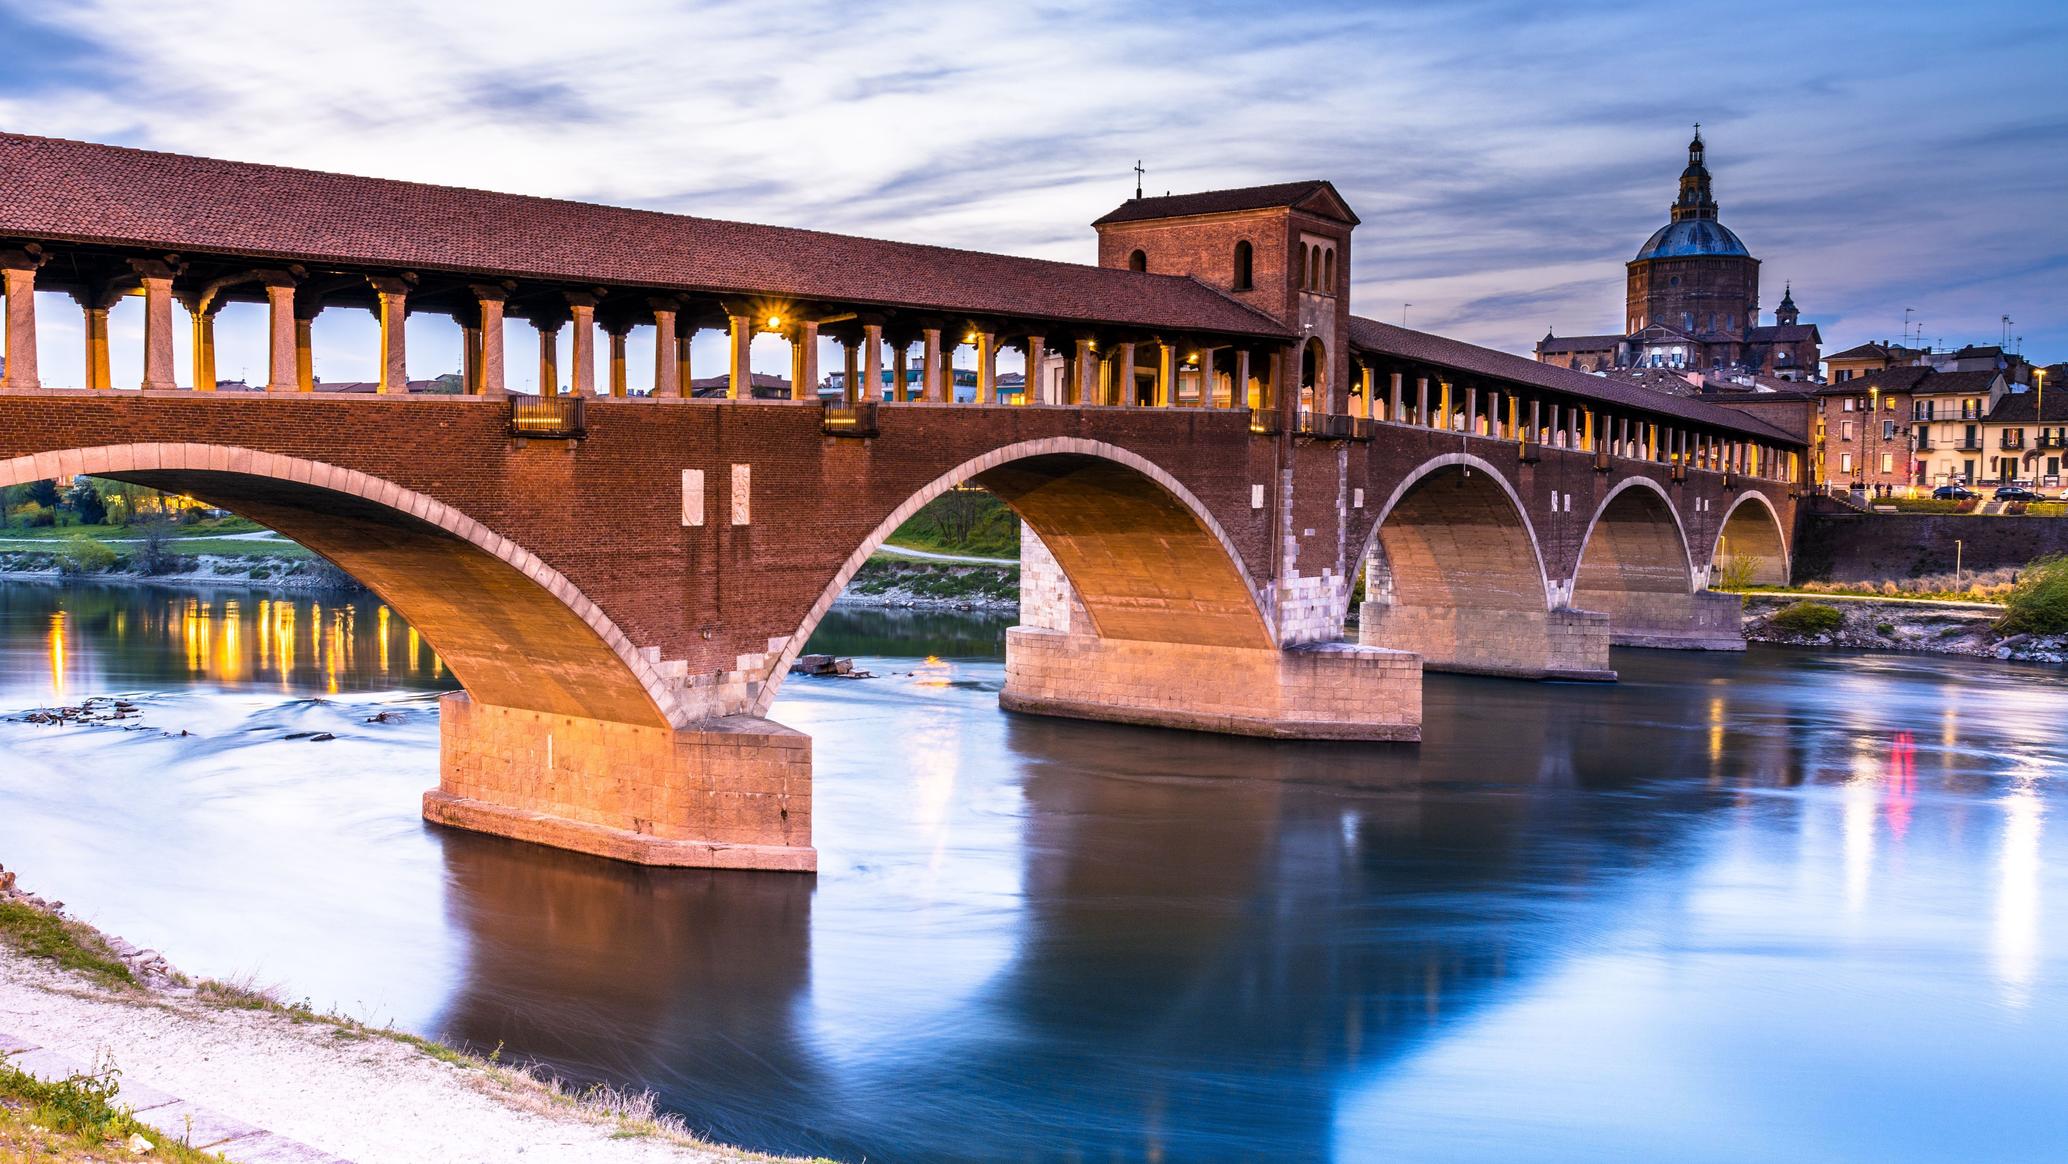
(1506, 157)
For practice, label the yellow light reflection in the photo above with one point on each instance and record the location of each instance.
(382, 633)
(57, 655)
(2015, 944)
(229, 654)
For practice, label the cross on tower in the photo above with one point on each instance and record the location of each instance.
(1138, 177)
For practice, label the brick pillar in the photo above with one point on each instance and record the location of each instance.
(930, 363)
(851, 372)
(549, 355)
(804, 360)
(872, 362)
(157, 281)
(489, 300)
(581, 309)
(394, 316)
(667, 373)
(281, 372)
(739, 383)
(18, 280)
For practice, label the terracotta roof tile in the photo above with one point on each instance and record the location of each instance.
(56, 189)
(1221, 202)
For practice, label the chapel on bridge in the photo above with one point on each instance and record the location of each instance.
(1692, 303)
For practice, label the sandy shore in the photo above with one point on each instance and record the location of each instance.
(338, 1089)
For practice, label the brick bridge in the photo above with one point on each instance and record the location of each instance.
(1206, 449)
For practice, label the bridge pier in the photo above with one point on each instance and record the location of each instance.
(1325, 691)
(1702, 621)
(734, 793)
(1551, 644)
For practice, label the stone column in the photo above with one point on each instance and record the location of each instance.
(1206, 376)
(581, 309)
(1084, 388)
(490, 301)
(902, 390)
(157, 281)
(851, 372)
(987, 367)
(549, 355)
(470, 358)
(1166, 374)
(804, 360)
(1393, 397)
(930, 363)
(18, 279)
(1239, 387)
(872, 362)
(1472, 411)
(1036, 392)
(98, 374)
(1424, 415)
(1124, 376)
(740, 370)
(685, 338)
(394, 315)
(281, 371)
(1371, 391)
(667, 373)
(616, 331)
(201, 311)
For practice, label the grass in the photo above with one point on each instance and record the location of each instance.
(937, 579)
(1807, 618)
(72, 945)
(209, 527)
(76, 1119)
(963, 521)
(2038, 604)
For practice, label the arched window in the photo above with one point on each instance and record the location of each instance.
(1328, 271)
(1139, 261)
(1300, 277)
(1314, 269)
(1244, 264)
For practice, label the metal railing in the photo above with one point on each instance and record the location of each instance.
(552, 418)
(1332, 426)
(849, 420)
(2011, 442)
(1264, 421)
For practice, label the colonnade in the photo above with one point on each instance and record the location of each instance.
(1504, 413)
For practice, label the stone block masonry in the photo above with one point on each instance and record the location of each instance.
(733, 793)
(1334, 691)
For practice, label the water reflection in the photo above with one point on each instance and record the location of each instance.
(1688, 916)
(109, 637)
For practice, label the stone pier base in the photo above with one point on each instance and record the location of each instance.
(734, 793)
(1702, 621)
(1332, 691)
(1553, 644)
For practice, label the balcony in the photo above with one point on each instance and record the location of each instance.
(2011, 443)
(1968, 444)
(549, 418)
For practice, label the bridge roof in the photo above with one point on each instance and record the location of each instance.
(1423, 348)
(55, 189)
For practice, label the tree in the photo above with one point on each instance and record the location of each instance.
(86, 501)
(43, 493)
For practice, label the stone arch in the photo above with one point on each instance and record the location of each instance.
(1636, 567)
(1314, 367)
(1145, 557)
(1454, 573)
(1753, 531)
(1138, 261)
(1245, 266)
(515, 632)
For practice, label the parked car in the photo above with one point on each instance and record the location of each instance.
(2017, 493)
(1954, 493)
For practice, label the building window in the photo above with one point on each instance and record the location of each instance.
(1244, 262)
(1845, 462)
(1888, 462)
(1848, 405)
(1844, 374)
(1888, 430)
(1300, 276)
(1328, 271)
(1139, 261)
(1845, 430)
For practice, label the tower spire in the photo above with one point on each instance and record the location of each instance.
(1695, 200)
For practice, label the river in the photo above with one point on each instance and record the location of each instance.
(1777, 906)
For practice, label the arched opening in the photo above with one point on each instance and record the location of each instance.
(515, 633)
(1245, 263)
(1138, 558)
(1634, 566)
(1300, 271)
(1750, 545)
(1313, 376)
(1452, 573)
(1328, 272)
(1138, 261)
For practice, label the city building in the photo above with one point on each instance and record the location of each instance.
(1692, 302)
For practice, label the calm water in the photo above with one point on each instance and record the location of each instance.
(1773, 907)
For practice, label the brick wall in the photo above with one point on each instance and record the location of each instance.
(1861, 547)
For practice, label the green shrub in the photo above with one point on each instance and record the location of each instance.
(1737, 573)
(1885, 629)
(83, 555)
(35, 515)
(1808, 618)
(2038, 602)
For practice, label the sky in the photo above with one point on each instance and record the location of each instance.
(1506, 158)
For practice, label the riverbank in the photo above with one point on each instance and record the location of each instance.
(233, 1070)
(933, 583)
(1902, 624)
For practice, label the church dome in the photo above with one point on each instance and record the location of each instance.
(1692, 236)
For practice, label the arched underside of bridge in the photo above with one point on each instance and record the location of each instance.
(1136, 608)
(1634, 567)
(1453, 573)
(1750, 543)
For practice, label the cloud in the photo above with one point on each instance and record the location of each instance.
(1507, 157)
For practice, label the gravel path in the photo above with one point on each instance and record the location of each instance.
(349, 1095)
